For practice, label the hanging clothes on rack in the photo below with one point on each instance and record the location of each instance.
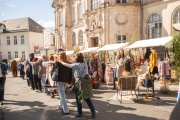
(153, 61)
(164, 69)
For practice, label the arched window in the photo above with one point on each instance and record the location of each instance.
(80, 38)
(74, 39)
(81, 11)
(95, 4)
(154, 26)
(176, 16)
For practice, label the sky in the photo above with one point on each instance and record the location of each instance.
(39, 10)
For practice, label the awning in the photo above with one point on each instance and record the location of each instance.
(17, 59)
(176, 26)
(69, 52)
(151, 42)
(89, 49)
(113, 46)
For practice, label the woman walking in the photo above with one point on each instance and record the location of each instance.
(83, 89)
(64, 78)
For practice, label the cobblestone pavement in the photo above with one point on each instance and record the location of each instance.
(22, 103)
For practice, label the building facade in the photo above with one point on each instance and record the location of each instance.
(19, 37)
(49, 43)
(92, 23)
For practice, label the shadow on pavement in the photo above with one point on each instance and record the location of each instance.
(38, 111)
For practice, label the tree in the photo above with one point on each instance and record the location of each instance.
(176, 52)
(176, 56)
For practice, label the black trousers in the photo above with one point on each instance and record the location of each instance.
(79, 104)
(2, 87)
(37, 82)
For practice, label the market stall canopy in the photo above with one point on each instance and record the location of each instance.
(151, 42)
(113, 46)
(17, 59)
(69, 52)
(176, 26)
(89, 50)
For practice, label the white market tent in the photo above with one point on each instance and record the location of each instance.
(176, 26)
(151, 42)
(86, 50)
(69, 52)
(113, 46)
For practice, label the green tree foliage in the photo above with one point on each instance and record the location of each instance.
(176, 51)
(76, 49)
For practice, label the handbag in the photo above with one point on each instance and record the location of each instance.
(55, 75)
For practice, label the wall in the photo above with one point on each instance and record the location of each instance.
(165, 9)
(4, 48)
(122, 20)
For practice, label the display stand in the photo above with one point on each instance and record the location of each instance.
(126, 84)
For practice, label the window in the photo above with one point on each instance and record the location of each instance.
(121, 39)
(16, 54)
(8, 40)
(0, 56)
(74, 39)
(15, 40)
(61, 18)
(95, 4)
(121, 1)
(80, 38)
(22, 39)
(176, 16)
(53, 41)
(73, 14)
(9, 55)
(23, 55)
(61, 40)
(80, 11)
(154, 26)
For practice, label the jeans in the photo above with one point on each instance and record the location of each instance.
(2, 87)
(28, 82)
(62, 95)
(79, 104)
(43, 81)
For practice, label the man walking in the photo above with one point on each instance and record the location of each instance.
(2, 80)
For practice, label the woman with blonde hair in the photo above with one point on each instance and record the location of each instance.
(64, 78)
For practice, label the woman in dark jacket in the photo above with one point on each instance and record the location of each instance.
(64, 78)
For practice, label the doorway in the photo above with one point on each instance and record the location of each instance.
(94, 42)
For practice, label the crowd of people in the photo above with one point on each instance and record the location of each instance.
(56, 74)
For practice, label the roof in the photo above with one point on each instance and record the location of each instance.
(22, 24)
(151, 42)
(113, 46)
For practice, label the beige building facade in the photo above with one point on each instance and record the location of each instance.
(18, 38)
(93, 23)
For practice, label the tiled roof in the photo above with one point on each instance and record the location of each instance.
(22, 24)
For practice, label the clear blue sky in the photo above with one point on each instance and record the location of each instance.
(39, 10)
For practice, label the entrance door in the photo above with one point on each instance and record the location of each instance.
(94, 42)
